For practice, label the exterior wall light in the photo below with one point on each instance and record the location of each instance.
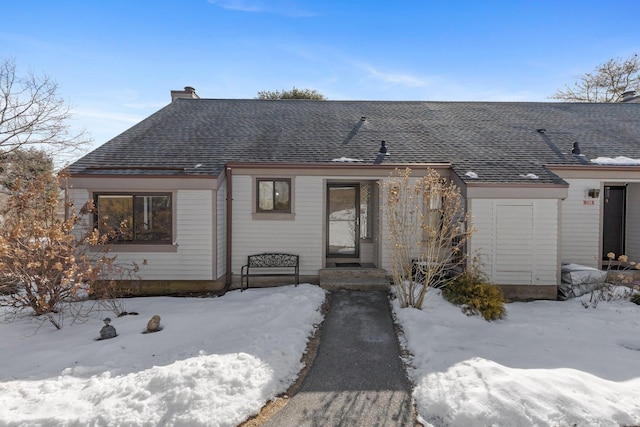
(594, 193)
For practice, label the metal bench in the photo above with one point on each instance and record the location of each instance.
(260, 264)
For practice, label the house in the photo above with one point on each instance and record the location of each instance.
(629, 96)
(207, 182)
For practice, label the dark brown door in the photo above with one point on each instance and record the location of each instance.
(613, 220)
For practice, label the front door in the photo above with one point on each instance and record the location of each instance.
(343, 220)
(613, 221)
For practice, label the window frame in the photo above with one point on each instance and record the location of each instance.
(259, 213)
(133, 194)
(366, 217)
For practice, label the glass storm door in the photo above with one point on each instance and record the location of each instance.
(343, 213)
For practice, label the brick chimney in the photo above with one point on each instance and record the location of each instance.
(188, 92)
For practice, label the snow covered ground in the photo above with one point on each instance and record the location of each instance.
(547, 363)
(215, 362)
(218, 360)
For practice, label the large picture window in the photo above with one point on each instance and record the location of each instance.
(135, 218)
(274, 195)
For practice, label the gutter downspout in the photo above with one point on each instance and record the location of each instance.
(229, 210)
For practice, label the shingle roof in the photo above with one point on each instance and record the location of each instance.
(500, 142)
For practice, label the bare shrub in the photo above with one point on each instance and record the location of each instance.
(618, 284)
(46, 262)
(428, 231)
(110, 294)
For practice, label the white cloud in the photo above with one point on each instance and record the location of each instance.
(394, 78)
(108, 115)
(441, 87)
(100, 125)
(288, 8)
(145, 105)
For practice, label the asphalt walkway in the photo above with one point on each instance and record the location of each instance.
(357, 378)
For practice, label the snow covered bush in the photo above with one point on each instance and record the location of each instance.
(427, 229)
(476, 296)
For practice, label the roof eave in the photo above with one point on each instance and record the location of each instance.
(634, 168)
(334, 165)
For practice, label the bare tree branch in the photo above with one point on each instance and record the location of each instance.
(606, 84)
(33, 114)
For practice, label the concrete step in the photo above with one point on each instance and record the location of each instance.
(354, 278)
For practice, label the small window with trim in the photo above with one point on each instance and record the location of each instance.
(273, 195)
(134, 218)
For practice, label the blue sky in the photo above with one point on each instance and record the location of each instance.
(116, 61)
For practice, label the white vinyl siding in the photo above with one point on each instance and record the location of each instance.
(221, 230)
(581, 224)
(516, 240)
(193, 235)
(632, 238)
(300, 235)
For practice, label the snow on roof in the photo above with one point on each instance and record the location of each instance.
(346, 160)
(620, 160)
(530, 176)
(471, 174)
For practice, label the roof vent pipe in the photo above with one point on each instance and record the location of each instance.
(383, 148)
(576, 149)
